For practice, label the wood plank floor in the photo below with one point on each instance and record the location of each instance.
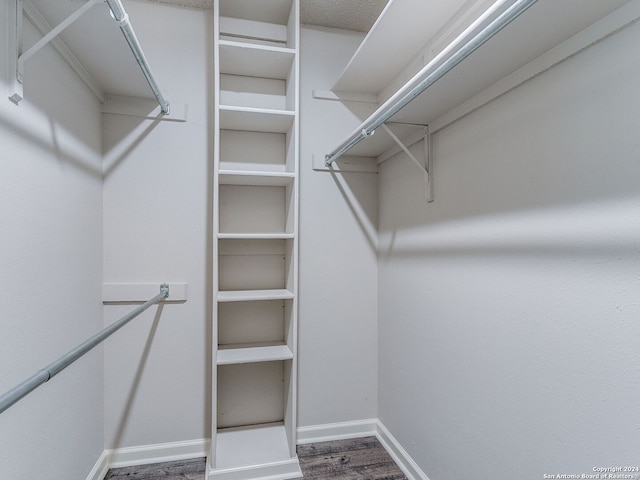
(353, 459)
(192, 469)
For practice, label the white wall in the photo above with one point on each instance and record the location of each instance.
(50, 268)
(337, 374)
(156, 228)
(509, 307)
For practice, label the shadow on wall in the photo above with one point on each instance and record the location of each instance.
(48, 133)
(127, 142)
(133, 390)
(44, 131)
(355, 194)
(564, 138)
(535, 168)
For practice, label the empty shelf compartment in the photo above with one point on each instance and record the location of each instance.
(254, 322)
(252, 393)
(240, 58)
(256, 151)
(256, 209)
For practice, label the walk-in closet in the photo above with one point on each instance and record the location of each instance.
(356, 239)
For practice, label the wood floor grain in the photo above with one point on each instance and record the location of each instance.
(192, 469)
(353, 459)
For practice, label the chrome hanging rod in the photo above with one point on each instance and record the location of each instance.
(430, 74)
(122, 18)
(47, 373)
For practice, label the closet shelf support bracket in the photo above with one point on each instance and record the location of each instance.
(21, 58)
(424, 167)
(17, 58)
(13, 36)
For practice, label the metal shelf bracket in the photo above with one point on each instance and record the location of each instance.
(13, 36)
(18, 58)
(21, 57)
(425, 166)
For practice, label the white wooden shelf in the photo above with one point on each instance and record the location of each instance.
(263, 353)
(95, 57)
(514, 55)
(256, 236)
(270, 179)
(255, 119)
(254, 295)
(420, 20)
(255, 446)
(239, 58)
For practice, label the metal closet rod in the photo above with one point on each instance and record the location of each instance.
(122, 18)
(42, 376)
(385, 112)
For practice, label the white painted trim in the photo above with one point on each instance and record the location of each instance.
(146, 454)
(161, 452)
(288, 469)
(100, 469)
(399, 454)
(345, 96)
(337, 431)
(283, 470)
(600, 30)
(141, 292)
(143, 107)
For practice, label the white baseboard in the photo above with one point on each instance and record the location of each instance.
(399, 454)
(167, 452)
(162, 452)
(146, 454)
(336, 431)
(100, 469)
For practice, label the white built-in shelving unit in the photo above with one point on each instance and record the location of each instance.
(255, 244)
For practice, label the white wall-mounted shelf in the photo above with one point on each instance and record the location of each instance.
(269, 179)
(515, 54)
(256, 236)
(256, 119)
(102, 60)
(419, 20)
(254, 295)
(269, 353)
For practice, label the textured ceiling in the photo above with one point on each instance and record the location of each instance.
(200, 4)
(358, 15)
